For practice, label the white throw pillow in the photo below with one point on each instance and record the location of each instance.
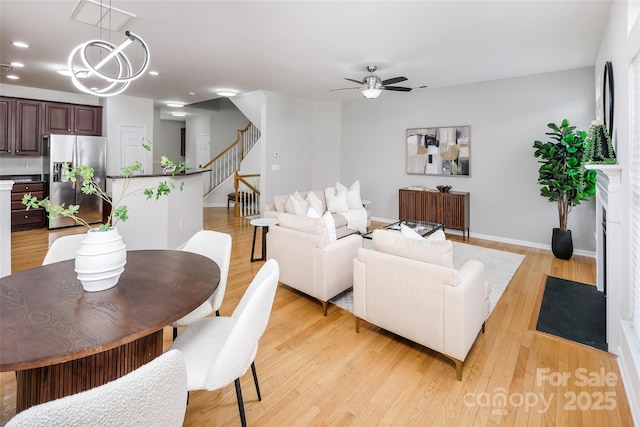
(410, 232)
(336, 200)
(296, 204)
(312, 213)
(331, 226)
(354, 201)
(437, 236)
(314, 201)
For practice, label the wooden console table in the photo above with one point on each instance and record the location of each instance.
(61, 340)
(449, 209)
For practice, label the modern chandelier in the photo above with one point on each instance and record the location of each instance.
(99, 67)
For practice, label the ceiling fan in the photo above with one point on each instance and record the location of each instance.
(372, 85)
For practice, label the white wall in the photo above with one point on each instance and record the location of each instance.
(325, 144)
(251, 104)
(225, 124)
(288, 133)
(125, 110)
(166, 140)
(505, 116)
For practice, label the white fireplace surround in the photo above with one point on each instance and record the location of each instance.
(609, 200)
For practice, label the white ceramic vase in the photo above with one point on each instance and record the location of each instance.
(100, 260)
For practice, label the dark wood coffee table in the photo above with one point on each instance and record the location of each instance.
(423, 228)
(61, 340)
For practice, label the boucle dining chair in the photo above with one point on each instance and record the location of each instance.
(155, 395)
(216, 246)
(63, 248)
(219, 350)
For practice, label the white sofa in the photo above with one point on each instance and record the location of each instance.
(409, 287)
(280, 206)
(309, 260)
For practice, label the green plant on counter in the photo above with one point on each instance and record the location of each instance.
(90, 186)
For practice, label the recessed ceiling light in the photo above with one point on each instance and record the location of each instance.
(178, 114)
(192, 93)
(16, 64)
(175, 105)
(20, 44)
(154, 73)
(226, 92)
(13, 77)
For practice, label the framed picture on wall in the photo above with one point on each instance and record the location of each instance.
(439, 151)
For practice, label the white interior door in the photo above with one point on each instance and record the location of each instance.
(132, 137)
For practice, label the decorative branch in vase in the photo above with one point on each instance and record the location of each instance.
(102, 255)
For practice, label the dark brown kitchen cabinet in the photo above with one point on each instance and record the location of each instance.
(449, 209)
(21, 218)
(73, 119)
(20, 127)
(7, 112)
(27, 134)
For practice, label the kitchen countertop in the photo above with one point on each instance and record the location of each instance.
(22, 178)
(158, 172)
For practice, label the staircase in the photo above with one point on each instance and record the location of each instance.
(227, 164)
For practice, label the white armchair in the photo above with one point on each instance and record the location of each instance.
(409, 287)
(309, 261)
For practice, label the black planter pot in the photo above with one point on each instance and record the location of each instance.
(562, 244)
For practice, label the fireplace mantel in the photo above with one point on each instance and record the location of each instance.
(608, 244)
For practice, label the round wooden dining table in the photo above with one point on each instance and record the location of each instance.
(61, 340)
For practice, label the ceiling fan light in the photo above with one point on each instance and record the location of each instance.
(371, 92)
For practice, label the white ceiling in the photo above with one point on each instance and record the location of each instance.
(306, 48)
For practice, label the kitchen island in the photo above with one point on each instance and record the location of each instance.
(165, 223)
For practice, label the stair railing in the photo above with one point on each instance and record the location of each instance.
(247, 200)
(228, 161)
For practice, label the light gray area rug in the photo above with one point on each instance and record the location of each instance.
(500, 266)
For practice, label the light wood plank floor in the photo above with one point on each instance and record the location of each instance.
(316, 370)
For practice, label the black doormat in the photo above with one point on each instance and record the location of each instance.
(575, 311)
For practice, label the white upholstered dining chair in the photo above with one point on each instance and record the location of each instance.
(155, 395)
(216, 246)
(63, 248)
(219, 350)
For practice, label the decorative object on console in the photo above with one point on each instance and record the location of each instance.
(564, 178)
(438, 151)
(443, 188)
(598, 148)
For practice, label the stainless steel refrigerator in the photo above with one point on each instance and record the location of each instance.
(76, 151)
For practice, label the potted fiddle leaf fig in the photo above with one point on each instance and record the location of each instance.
(102, 255)
(564, 178)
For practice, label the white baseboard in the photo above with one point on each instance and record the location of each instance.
(502, 239)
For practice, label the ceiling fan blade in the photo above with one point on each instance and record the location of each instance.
(352, 80)
(394, 80)
(343, 88)
(398, 88)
